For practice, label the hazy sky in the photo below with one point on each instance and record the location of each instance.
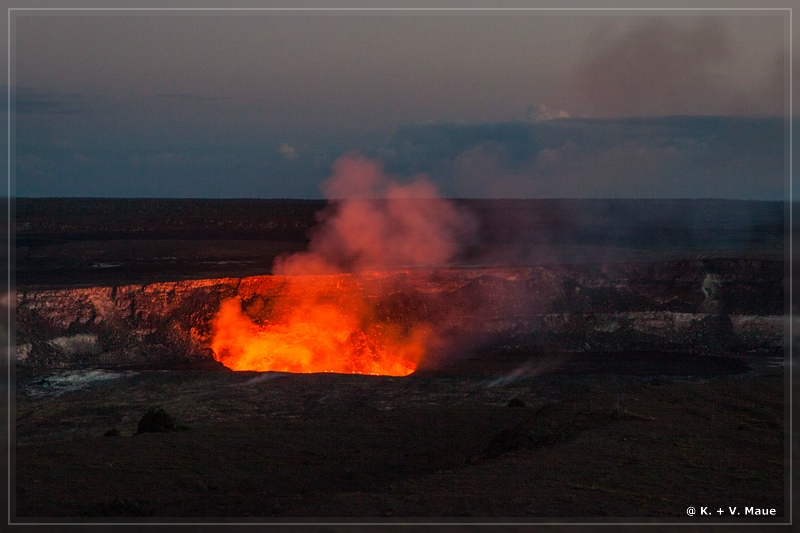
(518, 104)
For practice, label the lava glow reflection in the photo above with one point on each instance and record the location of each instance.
(310, 328)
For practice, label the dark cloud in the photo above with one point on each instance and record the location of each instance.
(191, 98)
(77, 145)
(29, 101)
(131, 170)
(667, 157)
(419, 145)
(661, 68)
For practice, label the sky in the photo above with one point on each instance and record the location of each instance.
(529, 104)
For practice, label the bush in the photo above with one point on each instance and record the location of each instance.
(155, 420)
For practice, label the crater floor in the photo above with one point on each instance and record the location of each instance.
(326, 445)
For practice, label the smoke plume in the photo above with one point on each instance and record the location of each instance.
(376, 223)
(661, 67)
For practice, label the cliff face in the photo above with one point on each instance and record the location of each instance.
(717, 306)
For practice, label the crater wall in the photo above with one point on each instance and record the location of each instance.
(713, 306)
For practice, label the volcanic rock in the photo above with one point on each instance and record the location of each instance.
(702, 306)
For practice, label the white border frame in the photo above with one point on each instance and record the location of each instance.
(145, 522)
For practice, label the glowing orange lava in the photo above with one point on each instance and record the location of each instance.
(314, 326)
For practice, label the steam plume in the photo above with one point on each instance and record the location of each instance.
(321, 324)
(375, 223)
(661, 68)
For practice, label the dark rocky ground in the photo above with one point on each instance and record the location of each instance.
(599, 436)
(277, 445)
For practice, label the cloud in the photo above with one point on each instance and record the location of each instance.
(417, 148)
(288, 151)
(30, 101)
(165, 159)
(544, 112)
(190, 97)
(661, 68)
(667, 157)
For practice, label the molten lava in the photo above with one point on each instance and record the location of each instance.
(316, 326)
